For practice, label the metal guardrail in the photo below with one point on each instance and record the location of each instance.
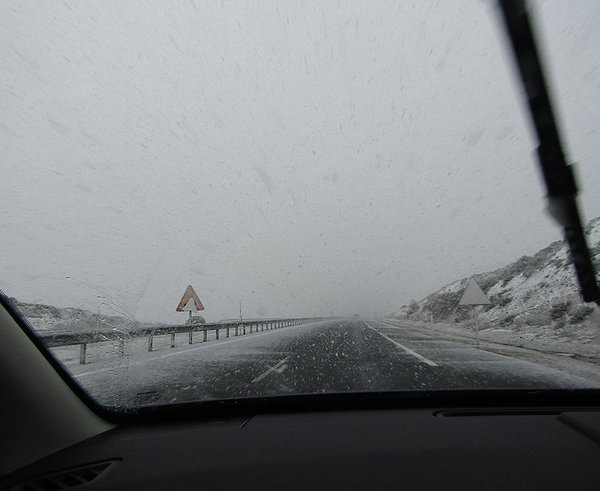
(237, 328)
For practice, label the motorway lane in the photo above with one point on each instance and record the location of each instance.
(331, 356)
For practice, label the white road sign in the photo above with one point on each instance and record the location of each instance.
(473, 295)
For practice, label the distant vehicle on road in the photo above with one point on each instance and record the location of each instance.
(196, 319)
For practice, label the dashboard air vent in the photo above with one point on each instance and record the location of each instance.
(67, 479)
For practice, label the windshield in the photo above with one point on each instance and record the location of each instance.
(220, 200)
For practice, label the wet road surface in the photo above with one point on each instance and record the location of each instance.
(322, 357)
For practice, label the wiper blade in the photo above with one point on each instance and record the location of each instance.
(558, 175)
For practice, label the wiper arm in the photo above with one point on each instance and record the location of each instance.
(558, 175)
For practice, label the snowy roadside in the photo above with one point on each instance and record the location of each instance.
(559, 350)
(105, 356)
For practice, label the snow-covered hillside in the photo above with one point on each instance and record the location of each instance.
(50, 318)
(540, 290)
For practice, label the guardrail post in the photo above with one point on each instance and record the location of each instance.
(227, 332)
(217, 332)
(172, 340)
(190, 337)
(82, 352)
(204, 332)
(150, 342)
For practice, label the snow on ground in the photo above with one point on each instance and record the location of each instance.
(534, 300)
(110, 376)
(46, 318)
(105, 356)
(577, 355)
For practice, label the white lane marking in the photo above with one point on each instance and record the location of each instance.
(92, 372)
(278, 367)
(404, 348)
(204, 346)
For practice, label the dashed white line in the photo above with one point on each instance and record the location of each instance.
(275, 368)
(404, 348)
(92, 372)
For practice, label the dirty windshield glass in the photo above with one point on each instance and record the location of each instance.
(221, 200)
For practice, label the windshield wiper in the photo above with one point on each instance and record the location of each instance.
(558, 175)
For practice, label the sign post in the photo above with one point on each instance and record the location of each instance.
(473, 295)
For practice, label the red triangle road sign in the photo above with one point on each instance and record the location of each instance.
(184, 303)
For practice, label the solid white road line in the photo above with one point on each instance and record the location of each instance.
(404, 348)
(275, 368)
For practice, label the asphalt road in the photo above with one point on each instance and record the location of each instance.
(339, 356)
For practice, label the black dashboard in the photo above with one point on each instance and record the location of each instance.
(503, 448)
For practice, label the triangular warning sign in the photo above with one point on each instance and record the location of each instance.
(473, 295)
(190, 301)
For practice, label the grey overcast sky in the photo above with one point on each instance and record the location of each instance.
(305, 157)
